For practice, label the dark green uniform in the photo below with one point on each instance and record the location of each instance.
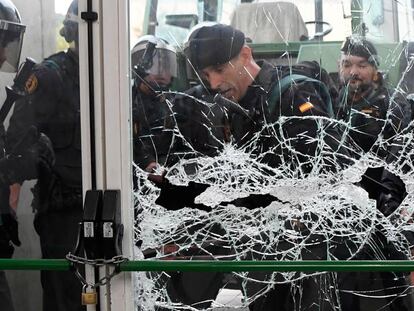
(54, 108)
(368, 121)
(299, 100)
(152, 129)
(375, 116)
(205, 132)
(199, 130)
(6, 247)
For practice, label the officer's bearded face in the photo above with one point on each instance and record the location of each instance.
(357, 73)
(230, 79)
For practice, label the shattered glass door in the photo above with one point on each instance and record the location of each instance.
(267, 130)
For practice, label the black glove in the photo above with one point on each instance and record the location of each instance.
(11, 228)
(32, 155)
(6, 247)
(387, 203)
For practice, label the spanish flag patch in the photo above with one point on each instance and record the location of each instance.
(305, 107)
(31, 84)
(367, 111)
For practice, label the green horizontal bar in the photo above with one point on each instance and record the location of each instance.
(35, 264)
(285, 266)
(222, 266)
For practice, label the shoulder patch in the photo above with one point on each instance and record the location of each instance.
(31, 84)
(305, 107)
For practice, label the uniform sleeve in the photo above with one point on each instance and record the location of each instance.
(142, 152)
(400, 115)
(200, 125)
(307, 135)
(151, 140)
(44, 88)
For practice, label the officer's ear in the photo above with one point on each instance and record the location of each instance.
(375, 78)
(246, 55)
(340, 61)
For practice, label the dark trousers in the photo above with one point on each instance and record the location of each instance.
(313, 293)
(6, 251)
(195, 289)
(6, 303)
(364, 291)
(58, 234)
(371, 291)
(359, 291)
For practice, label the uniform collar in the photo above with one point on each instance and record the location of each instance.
(73, 55)
(260, 85)
(264, 77)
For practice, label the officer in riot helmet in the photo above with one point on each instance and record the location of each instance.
(21, 163)
(53, 106)
(11, 36)
(154, 66)
(69, 31)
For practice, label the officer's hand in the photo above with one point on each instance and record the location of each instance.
(154, 176)
(14, 195)
(387, 204)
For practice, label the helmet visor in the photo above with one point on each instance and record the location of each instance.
(163, 62)
(11, 40)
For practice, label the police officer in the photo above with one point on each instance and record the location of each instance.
(225, 62)
(53, 106)
(9, 59)
(223, 59)
(373, 112)
(365, 102)
(33, 153)
(154, 63)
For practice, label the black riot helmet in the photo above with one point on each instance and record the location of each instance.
(11, 36)
(154, 56)
(69, 30)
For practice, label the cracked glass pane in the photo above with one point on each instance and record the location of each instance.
(267, 130)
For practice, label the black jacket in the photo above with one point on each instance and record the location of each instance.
(53, 107)
(372, 116)
(152, 128)
(292, 141)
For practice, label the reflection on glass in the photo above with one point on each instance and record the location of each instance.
(277, 139)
